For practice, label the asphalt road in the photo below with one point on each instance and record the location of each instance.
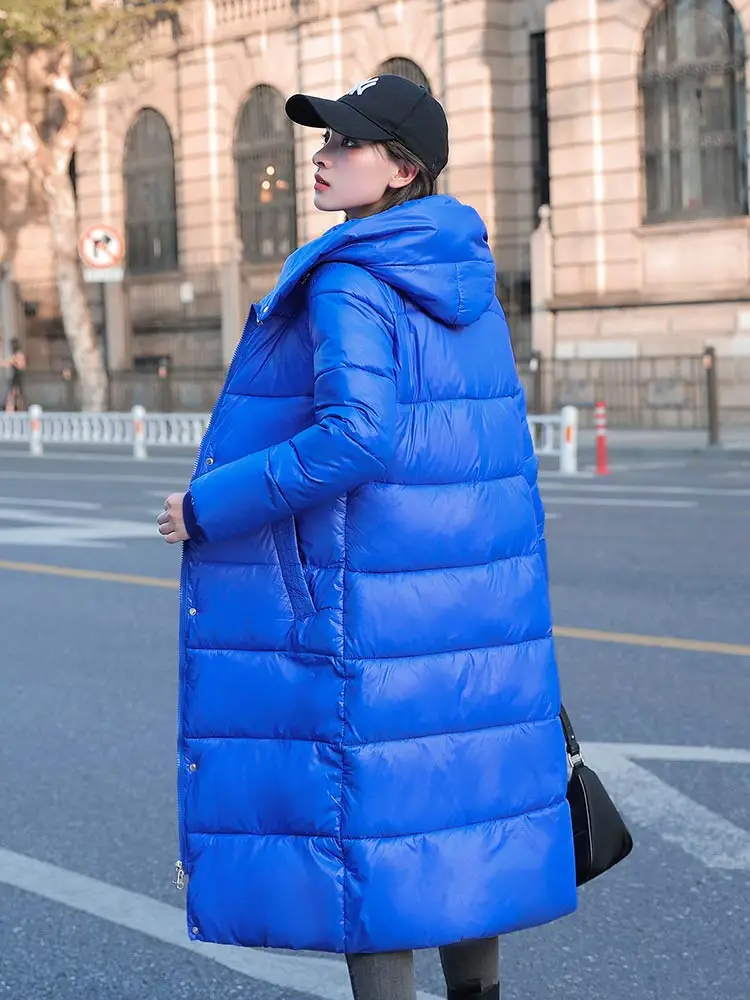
(87, 715)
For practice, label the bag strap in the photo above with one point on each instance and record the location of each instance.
(571, 743)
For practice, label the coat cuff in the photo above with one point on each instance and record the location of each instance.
(188, 516)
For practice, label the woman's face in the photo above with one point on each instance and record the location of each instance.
(353, 175)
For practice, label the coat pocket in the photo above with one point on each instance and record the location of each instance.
(287, 549)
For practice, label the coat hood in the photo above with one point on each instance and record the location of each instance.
(434, 251)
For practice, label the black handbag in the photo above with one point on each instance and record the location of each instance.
(600, 837)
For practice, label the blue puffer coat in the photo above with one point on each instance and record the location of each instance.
(370, 756)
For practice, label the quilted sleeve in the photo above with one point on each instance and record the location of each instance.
(352, 439)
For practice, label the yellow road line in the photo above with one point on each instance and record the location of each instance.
(652, 641)
(88, 574)
(561, 631)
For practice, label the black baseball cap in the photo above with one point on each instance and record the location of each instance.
(382, 108)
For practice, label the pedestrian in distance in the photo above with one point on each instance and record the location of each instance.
(16, 363)
(370, 756)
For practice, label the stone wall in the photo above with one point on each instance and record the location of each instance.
(620, 287)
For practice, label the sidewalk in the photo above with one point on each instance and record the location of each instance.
(619, 441)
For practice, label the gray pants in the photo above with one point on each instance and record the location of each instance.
(390, 975)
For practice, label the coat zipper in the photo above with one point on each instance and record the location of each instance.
(181, 869)
(179, 880)
(180, 864)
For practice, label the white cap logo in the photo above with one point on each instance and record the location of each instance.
(362, 87)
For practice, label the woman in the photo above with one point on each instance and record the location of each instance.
(14, 399)
(370, 755)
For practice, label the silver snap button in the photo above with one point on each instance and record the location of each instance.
(192, 612)
(196, 930)
(209, 461)
(193, 766)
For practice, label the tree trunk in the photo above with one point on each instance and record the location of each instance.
(76, 315)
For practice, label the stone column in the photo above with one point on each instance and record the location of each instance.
(117, 327)
(232, 305)
(8, 311)
(542, 286)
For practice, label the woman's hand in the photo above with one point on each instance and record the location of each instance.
(170, 521)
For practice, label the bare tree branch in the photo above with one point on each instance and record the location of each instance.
(61, 84)
(20, 141)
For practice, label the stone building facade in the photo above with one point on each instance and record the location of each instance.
(649, 217)
(191, 157)
(628, 118)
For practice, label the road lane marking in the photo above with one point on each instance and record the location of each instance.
(652, 641)
(323, 977)
(697, 491)
(551, 499)
(44, 528)
(672, 752)
(645, 466)
(561, 631)
(673, 816)
(54, 504)
(546, 471)
(547, 475)
(87, 574)
(96, 477)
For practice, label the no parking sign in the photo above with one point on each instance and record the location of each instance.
(102, 249)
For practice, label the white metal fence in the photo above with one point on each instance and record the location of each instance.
(555, 434)
(138, 429)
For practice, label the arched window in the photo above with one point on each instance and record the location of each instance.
(150, 199)
(694, 125)
(264, 160)
(406, 68)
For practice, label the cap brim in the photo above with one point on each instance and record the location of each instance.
(317, 112)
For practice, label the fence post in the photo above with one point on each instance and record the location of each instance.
(569, 440)
(712, 396)
(139, 432)
(36, 445)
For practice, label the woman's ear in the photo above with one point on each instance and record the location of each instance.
(403, 175)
